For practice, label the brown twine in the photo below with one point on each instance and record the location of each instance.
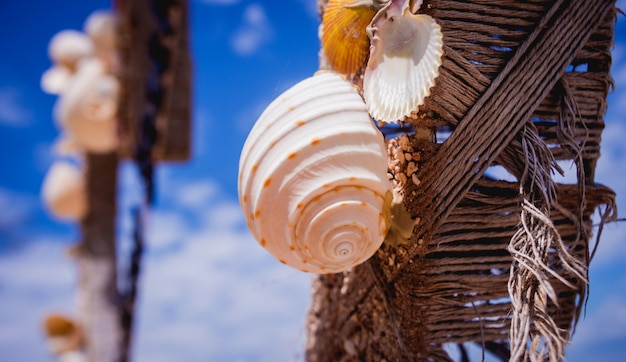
(503, 93)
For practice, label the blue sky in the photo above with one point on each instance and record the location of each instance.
(208, 291)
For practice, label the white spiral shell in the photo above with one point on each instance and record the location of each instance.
(312, 178)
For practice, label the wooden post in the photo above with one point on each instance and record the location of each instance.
(98, 297)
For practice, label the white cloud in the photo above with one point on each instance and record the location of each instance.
(254, 32)
(197, 194)
(208, 291)
(33, 282)
(601, 332)
(12, 111)
(220, 296)
(16, 208)
(164, 229)
(219, 2)
(611, 171)
(310, 6)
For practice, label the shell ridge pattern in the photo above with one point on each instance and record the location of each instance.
(264, 152)
(403, 66)
(341, 25)
(290, 107)
(313, 177)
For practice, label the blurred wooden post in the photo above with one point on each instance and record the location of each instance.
(98, 296)
(155, 76)
(154, 125)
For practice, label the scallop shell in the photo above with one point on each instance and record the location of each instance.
(312, 178)
(87, 108)
(344, 37)
(404, 62)
(63, 191)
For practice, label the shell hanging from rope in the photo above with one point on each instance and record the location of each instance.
(344, 37)
(404, 61)
(86, 110)
(63, 191)
(313, 184)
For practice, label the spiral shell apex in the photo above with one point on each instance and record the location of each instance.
(312, 178)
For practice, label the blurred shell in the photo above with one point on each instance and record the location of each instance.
(87, 108)
(312, 177)
(100, 26)
(404, 62)
(63, 191)
(55, 79)
(68, 47)
(344, 37)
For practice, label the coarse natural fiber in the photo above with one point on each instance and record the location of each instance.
(522, 86)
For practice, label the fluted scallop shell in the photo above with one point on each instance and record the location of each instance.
(63, 191)
(344, 37)
(87, 108)
(403, 64)
(312, 177)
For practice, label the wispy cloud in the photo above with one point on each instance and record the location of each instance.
(219, 2)
(12, 111)
(208, 291)
(36, 281)
(254, 32)
(311, 8)
(16, 209)
(215, 294)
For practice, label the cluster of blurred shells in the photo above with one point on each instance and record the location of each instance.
(82, 76)
(313, 181)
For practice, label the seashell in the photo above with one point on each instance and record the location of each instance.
(88, 106)
(404, 61)
(55, 79)
(344, 37)
(63, 191)
(312, 177)
(101, 27)
(68, 47)
(65, 337)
